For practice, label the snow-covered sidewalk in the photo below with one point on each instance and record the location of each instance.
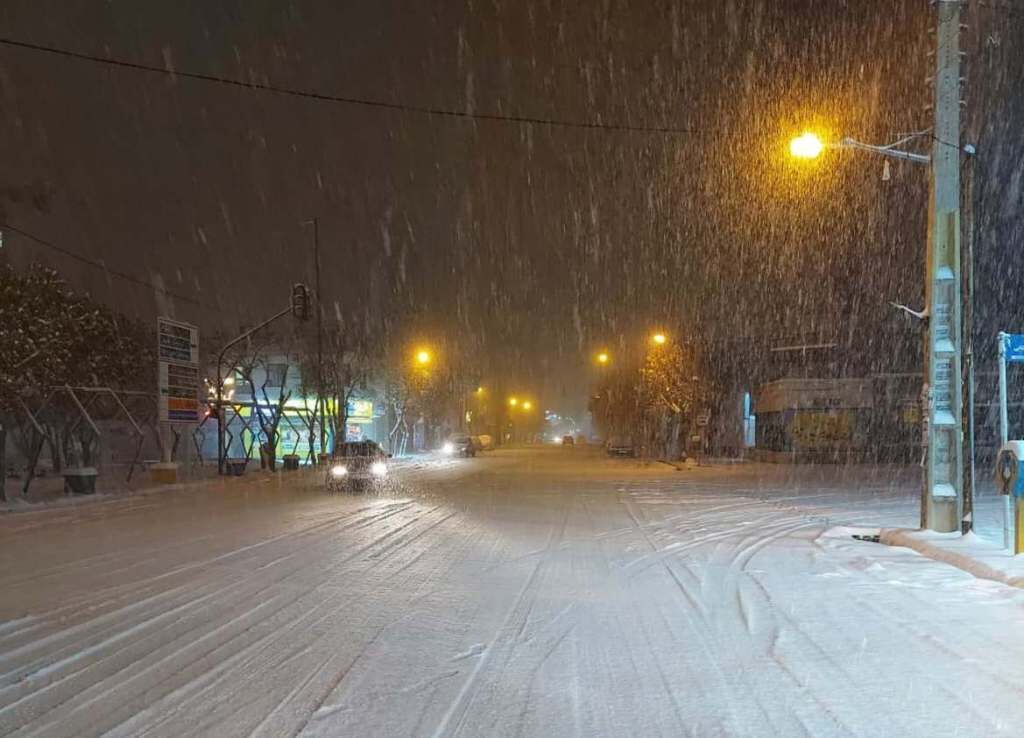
(891, 518)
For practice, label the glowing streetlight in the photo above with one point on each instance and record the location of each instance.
(806, 146)
(479, 390)
(527, 405)
(423, 357)
(603, 358)
(659, 339)
(513, 401)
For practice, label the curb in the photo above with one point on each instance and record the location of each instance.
(927, 544)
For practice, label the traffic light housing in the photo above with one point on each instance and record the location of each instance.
(300, 302)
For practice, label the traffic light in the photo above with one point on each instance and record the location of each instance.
(300, 302)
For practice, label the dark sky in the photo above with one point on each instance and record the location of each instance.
(525, 246)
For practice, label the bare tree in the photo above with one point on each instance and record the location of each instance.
(251, 361)
(655, 402)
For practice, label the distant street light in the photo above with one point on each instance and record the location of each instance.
(423, 357)
(527, 405)
(603, 358)
(659, 339)
(513, 401)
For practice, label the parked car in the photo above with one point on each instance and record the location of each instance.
(357, 465)
(621, 446)
(459, 446)
(568, 440)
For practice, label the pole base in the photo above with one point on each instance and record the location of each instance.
(942, 515)
(166, 472)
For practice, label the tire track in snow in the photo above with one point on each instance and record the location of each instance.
(725, 591)
(704, 641)
(130, 591)
(420, 588)
(268, 585)
(148, 622)
(454, 718)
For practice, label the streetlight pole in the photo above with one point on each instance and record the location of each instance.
(946, 495)
(943, 490)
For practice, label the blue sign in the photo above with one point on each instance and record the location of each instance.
(1014, 347)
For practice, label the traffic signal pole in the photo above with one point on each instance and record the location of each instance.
(299, 307)
(942, 504)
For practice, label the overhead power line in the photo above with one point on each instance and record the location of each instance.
(364, 102)
(100, 265)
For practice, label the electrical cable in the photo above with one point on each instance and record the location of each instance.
(364, 102)
(100, 265)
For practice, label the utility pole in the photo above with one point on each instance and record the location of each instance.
(943, 491)
(321, 403)
(967, 337)
(319, 339)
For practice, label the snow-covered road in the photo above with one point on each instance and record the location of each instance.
(527, 593)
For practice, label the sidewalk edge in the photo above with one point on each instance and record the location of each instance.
(929, 545)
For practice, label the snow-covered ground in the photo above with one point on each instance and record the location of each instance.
(549, 592)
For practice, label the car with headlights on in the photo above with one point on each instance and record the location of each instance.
(460, 446)
(357, 465)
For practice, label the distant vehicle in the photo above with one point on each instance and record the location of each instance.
(459, 446)
(568, 440)
(357, 465)
(621, 446)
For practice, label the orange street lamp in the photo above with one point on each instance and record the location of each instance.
(809, 146)
(423, 357)
(603, 358)
(527, 405)
(806, 146)
(513, 401)
(659, 339)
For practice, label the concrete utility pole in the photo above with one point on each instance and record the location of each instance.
(321, 400)
(967, 339)
(943, 492)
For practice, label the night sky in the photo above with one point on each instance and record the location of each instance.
(522, 246)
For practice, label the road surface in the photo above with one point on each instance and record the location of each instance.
(525, 593)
